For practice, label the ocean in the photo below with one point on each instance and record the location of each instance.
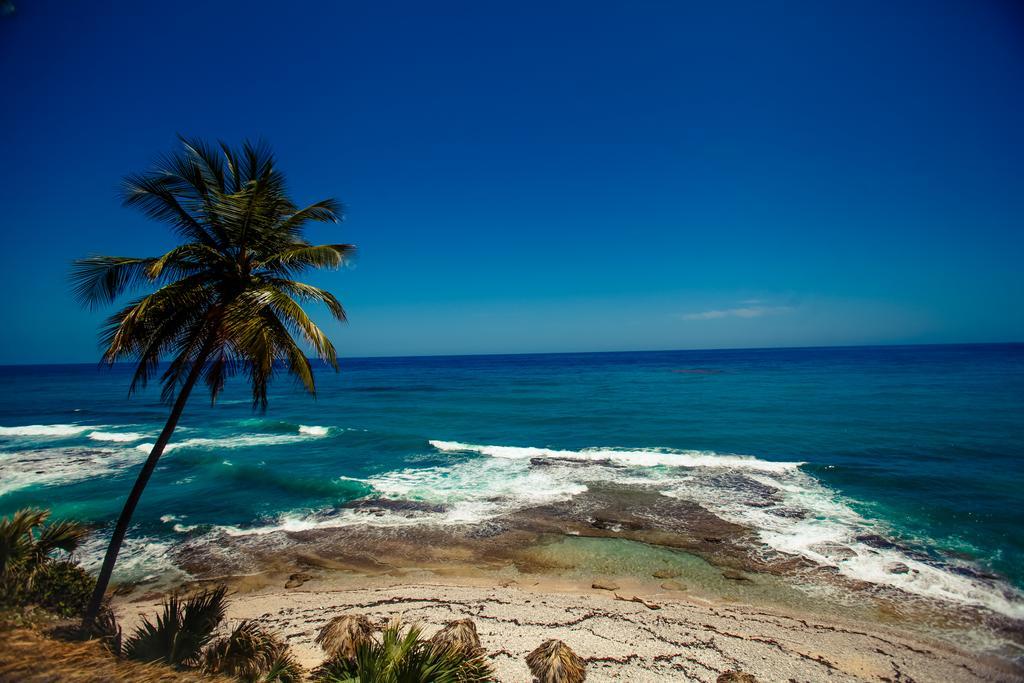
(901, 466)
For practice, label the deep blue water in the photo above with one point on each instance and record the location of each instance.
(924, 444)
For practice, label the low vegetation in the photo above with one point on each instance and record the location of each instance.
(554, 662)
(399, 655)
(187, 640)
(36, 567)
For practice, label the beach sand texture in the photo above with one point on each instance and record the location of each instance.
(683, 639)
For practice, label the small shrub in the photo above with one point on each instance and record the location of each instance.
(30, 573)
(460, 634)
(554, 662)
(181, 631)
(252, 655)
(401, 656)
(61, 587)
(342, 636)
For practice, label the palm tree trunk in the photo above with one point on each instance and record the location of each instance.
(96, 601)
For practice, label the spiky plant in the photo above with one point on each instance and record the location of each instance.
(554, 662)
(252, 655)
(31, 570)
(402, 656)
(182, 630)
(106, 629)
(341, 637)
(224, 300)
(26, 538)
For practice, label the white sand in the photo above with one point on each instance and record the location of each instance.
(686, 639)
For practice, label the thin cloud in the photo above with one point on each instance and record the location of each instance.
(738, 312)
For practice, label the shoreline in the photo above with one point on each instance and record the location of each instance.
(634, 537)
(689, 595)
(665, 634)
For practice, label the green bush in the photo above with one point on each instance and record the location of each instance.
(62, 587)
(31, 572)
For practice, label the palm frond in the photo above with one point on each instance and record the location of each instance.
(309, 293)
(401, 655)
(106, 629)
(212, 163)
(98, 280)
(299, 258)
(343, 635)
(554, 662)
(323, 211)
(63, 535)
(187, 259)
(181, 630)
(16, 536)
(253, 655)
(458, 635)
(156, 195)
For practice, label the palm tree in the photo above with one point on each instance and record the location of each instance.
(224, 299)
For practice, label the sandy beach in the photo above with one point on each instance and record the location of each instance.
(668, 636)
(642, 587)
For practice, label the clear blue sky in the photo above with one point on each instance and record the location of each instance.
(549, 176)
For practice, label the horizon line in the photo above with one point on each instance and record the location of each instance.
(579, 353)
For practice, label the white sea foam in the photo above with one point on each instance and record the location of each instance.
(638, 458)
(119, 437)
(56, 466)
(464, 493)
(236, 441)
(53, 431)
(313, 430)
(141, 558)
(795, 514)
(792, 512)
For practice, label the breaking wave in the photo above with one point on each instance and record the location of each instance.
(640, 458)
(791, 512)
(52, 431)
(239, 441)
(117, 437)
(57, 466)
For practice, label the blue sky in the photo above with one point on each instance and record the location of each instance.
(525, 177)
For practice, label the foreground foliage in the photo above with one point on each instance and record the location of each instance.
(400, 655)
(554, 662)
(253, 655)
(180, 632)
(36, 566)
(27, 656)
(183, 636)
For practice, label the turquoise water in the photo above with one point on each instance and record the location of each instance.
(896, 454)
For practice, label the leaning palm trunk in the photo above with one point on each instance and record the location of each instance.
(117, 539)
(225, 299)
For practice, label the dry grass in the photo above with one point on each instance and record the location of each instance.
(27, 656)
(343, 635)
(459, 635)
(554, 662)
